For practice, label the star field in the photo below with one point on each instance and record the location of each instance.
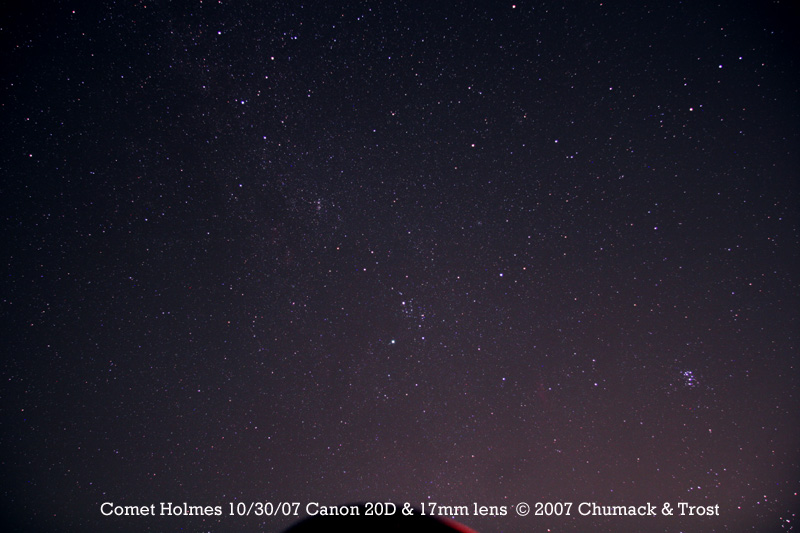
(400, 251)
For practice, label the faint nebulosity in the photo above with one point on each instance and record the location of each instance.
(453, 253)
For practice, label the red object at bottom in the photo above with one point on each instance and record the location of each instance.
(396, 523)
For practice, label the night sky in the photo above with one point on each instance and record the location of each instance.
(472, 252)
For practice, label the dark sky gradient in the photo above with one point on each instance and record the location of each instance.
(417, 252)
